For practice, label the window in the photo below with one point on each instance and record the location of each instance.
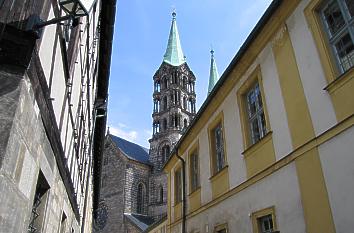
(63, 223)
(140, 199)
(178, 186)
(164, 124)
(161, 194)
(39, 204)
(165, 153)
(218, 148)
(265, 224)
(255, 114)
(338, 20)
(164, 83)
(194, 170)
(264, 221)
(164, 103)
(221, 228)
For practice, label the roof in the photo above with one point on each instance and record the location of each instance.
(141, 221)
(156, 223)
(131, 150)
(174, 54)
(235, 61)
(213, 75)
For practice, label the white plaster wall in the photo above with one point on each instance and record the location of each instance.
(280, 189)
(337, 159)
(311, 71)
(234, 140)
(46, 49)
(58, 82)
(205, 174)
(275, 104)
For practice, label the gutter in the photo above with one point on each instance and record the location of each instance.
(184, 201)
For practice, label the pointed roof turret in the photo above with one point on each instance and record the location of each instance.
(174, 55)
(214, 75)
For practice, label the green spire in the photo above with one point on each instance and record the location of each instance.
(214, 75)
(174, 55)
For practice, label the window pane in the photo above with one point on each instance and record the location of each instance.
(350, 6)
(266, 224)
(219, 144)
(259, 96)
(345, 51)
(255, 131)
(263, 124)
(333, 17)
(251, 99)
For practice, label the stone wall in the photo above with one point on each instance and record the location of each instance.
(157, 209)
(112, 187)
(130, 227)
(136, 173)
(120, 179)
(26, 153)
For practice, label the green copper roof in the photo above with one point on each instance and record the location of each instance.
(214, 75)
(174, 55)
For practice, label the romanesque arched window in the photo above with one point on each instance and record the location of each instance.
(157, 86)
(161, 194)
(164, 83)
(164, 124)
(165, 103)
(140, 202)
(165, 152)
(184, 102)
(184, 82)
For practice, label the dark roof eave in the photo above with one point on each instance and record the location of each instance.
(107, 18)
(254, 33)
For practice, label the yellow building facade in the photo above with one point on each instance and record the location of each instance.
(271, 149)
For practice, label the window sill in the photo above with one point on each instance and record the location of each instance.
(194, 192)
(340, 81)
(177, 204)
(254, 147)
(219, 173)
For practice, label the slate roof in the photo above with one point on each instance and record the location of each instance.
(141, 221)
(131, 150)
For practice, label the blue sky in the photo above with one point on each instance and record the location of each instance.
(140, 39)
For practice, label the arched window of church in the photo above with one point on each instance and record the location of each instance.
(164, 124)
(185, 123)
(140, 199)
(165, 152)
(184, 102)
(164, 83)
(185, 82)
(165, 103)
(161, 194)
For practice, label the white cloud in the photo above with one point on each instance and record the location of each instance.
(139, 137)
(130, 135)
(121, 125)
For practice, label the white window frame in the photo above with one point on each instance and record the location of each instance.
(257, 115)
(347, 28)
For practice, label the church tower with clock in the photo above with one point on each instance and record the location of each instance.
(174, 101)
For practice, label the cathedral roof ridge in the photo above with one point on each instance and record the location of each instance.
(213, 75)
(174, 54)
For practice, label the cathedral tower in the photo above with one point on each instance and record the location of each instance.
(174, 107)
